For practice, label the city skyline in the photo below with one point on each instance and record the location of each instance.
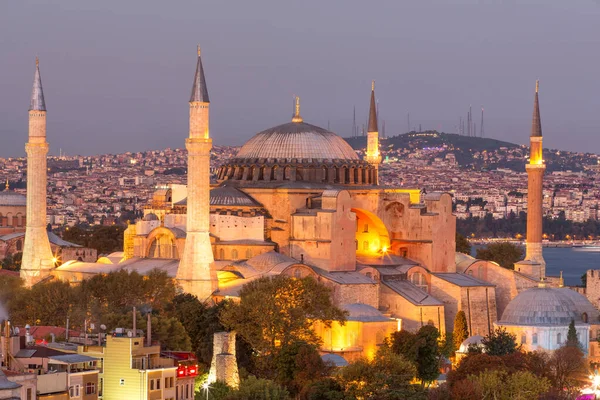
(124, 89)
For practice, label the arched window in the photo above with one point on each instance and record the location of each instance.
(584, 317)
(222, 254)
(234, 254)
(19, 245)
(369, 275)
(248, 253)
(523, 339)
(534, 338)
(418, 279)
(558, 338)
(297, 273)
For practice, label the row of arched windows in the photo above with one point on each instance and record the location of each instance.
(235, 254)
(360, 174)
(12, 220)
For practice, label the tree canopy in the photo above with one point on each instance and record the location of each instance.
(274, 312)
(462, 244)
(505, 254)
(461, 329)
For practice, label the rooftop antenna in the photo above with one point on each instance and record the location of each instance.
(354, 133)
(481, 127)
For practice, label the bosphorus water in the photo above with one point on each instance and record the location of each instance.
(572, 261)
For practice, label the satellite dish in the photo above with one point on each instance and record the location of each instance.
(129, 334)
(92, 326)
(17, 330)
(103, 327)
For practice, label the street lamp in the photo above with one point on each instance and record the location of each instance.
(205, 386)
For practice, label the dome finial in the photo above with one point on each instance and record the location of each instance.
(297, 118)
(373, 85)
(537, 86)
(7, 186)
(198, 47)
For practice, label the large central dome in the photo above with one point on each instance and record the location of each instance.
(297, 140)
(297, 152)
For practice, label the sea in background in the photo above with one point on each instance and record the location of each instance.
(572, 261)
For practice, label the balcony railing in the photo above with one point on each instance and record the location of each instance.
(152, 363)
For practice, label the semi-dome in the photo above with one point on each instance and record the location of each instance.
(297, 140)
(10, 198)
(543, 306)
(297, 152)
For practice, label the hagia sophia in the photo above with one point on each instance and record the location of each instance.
(298, 201)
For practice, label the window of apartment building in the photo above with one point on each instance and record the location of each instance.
(151, 384)
(74, 391)
(158, 384)
(90, 388)
(187, 390)
(29, 394)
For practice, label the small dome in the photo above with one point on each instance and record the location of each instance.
(10, 198)
(543, 306)
(150, 217)
(297, 140)
(474, 340)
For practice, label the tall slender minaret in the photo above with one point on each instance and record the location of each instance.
(196, 273)
(37, 254)
(372, 155)
(535, 192)
(534, 264)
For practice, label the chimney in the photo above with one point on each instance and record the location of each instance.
(134, 322)
(149, 331)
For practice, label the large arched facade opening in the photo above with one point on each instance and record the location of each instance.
(372, 236)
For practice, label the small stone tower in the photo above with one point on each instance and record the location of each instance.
(372, 155)
(196, 273)
(534, 264)
(223, 367)
(37, 254)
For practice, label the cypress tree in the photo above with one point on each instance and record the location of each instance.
(461, 329)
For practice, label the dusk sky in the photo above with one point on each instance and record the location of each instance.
(117, 74)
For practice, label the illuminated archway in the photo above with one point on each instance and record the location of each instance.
(162, 243)
(371, 233)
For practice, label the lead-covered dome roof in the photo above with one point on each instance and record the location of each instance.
(10, 198)
(297, 140)
(297, 152)
(543, 306)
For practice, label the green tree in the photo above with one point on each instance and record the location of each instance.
(297, 364)
(461, 329)
(254, 388)
(387, 376)
(505, 254)
(405, 344)
(462, 244)
(275, 311)
(428, 354)
(568, 368)
(324, 389)
(499, 342)
(500, 385)
(572, 339)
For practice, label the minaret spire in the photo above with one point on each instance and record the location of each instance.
(536, 125)
(199, 89)
(37, 94)
(372, 155)
(196, 273)
(373, 111)
(37, 259)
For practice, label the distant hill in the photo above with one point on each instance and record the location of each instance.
(413, 140)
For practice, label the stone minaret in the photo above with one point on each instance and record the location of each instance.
(196, 273)
(534, 263)
(37, 255)
(372, 155)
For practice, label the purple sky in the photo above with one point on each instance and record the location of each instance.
(117, 73)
